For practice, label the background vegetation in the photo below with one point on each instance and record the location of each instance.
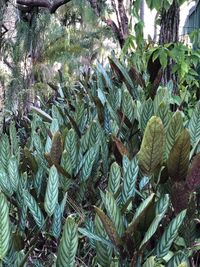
(99, 159)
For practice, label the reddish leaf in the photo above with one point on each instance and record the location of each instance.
(193, 177)
(120, 147)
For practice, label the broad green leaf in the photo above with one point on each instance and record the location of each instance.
(162, 95)
(173, 131)
(89, 160)
(38, 179)
(109, 227)
(71, 149)
(139, 214)
(151, 151)
(21, 187)
(128, 105)
(5, 184)
(57, 221)
(164, 113)
(34, 209)
(51, 195)
(163, 57)
(5, 233)
(94, 134)
(122, 72)
(146, 114)
(194, 125)
(161, 209)
(23, 217)
(14, 140)
(177, 259)
(107, 78)
(68, 244)
(178, 160)
(56, 115)
(53, 128)
(169, 235)
(4, 151)
(91, 235)
(113, 211)
(150, 262)
(128, 187)
(103, 250)
(114, 178)
(13, 171)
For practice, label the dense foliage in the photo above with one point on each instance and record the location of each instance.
(100, 151)
(103, 176)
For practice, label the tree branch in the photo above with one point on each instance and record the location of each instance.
(51, 6)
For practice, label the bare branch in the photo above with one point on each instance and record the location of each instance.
(51, 6)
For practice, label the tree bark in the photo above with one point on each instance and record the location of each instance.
(169, 33)
(169, 30)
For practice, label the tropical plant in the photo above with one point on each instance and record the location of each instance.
(103, 176)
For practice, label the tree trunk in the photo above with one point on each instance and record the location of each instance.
(3, 30)
(169, 33)
(169, 30)
(142, 10)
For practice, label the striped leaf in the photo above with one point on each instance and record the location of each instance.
(21, 187)
(13, 171)
(94, 134)
(68, 244)
(173, 131)
(161, 209)
(114, 178)
(177, 259)
(104, 150)
(14, 140)
(4, 151)
(5, 183)
(53, 128)
(164, 113)
(123, 74)
(4, 226)
(57, 221)
(23, 217)
(38, 180)
(56, 115)
(128, 105)
(151, 151)
(130, 177)
(178, 160)
(113, 212)
(103, 250)
(146, 114)
(89, 160)
(51, 195)
(71, 149)
(109, 227)
(164, 244)
(95, 237)
(162, 95)
(194, 125)
(150, 262)
(139, 214)
(34, 208)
